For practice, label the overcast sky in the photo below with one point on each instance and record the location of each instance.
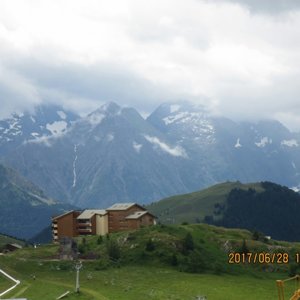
(239, 57)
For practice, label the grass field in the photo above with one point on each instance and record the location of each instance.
(195, 206)
(145, 274)
(144, 283)
(4, 283)
(52, 278)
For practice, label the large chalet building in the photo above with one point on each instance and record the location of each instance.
(119, 217)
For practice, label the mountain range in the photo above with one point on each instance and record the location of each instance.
(115, 155)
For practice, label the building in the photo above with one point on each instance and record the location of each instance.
(118, 217)
(92, 222)
(140, 219)
(126, 216)
(11, 247)
(65, 225)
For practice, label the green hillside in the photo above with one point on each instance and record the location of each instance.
(264, 207)
(141, 265)
(193, 207)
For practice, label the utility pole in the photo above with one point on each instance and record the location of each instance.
(78, 266)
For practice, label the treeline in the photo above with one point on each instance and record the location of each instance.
(274, 211)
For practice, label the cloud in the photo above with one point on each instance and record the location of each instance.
(176, 151)
(240, 58)
(87, 87)
(267, 6)
(15, 92)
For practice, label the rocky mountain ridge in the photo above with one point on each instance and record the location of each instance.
(115, 155)
(24, 208)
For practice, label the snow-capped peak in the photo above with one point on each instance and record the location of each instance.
(107, 109)
(174, 108)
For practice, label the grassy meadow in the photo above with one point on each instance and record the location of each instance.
(195, 206)
(147, 270)
(141, 283)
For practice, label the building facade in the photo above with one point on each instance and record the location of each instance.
(92, 222)
(118, 217)
(65, 225)
(118, 214)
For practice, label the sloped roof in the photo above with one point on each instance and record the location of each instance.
(89, 213)
(138, 214)
(64, 214)
(121, 206)
(16, 245)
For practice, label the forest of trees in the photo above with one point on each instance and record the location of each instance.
(275, 211)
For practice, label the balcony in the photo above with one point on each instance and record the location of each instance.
(84, 224)
(84, 230)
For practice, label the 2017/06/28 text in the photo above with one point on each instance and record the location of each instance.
(261, 258)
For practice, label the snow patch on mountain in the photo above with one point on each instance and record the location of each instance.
(61, 114)
(194, 123)
(295, 189)
(238, 144)
(44, 139)
(95, 118)
(57, 127)
(171, 119)
(110, 108)
(290, 143)
(137, 147)
(12, 127)
(110, 137)
(97, 138)
(32, 119)
(174, 108)
(263, 142)
(176, 151)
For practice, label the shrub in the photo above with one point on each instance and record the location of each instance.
(188, 243)
(113, 250)
(65, 266)
(102, 264)
(244, 249)
(193, 263)
(150, 245)
(174, 260)
(99, 240)
(293, 269)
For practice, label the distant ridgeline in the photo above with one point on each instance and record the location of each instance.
(24, 209)
(275, 211)
(114, 154)
(264, 207)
